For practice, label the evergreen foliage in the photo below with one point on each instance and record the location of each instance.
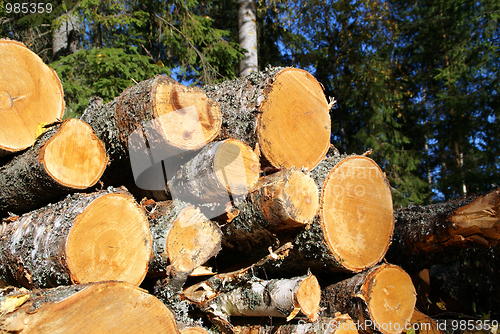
(416, 81)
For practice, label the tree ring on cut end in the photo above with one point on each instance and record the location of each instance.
(294, 126)
(236, 166)
(391, 297)
(109, 240)
(357, 213)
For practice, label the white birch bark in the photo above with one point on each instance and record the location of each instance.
(248, 36)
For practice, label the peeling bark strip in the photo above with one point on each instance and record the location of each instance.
(279, 203)
(354, 226)
(163, 119)
(381, 298)
(83, 238)
(340, 324)
(24, 102)
(467, 221)
(107, 307)
(218, 172)
(65, 158)
(282, 111)
(284, 298)
(183, 238)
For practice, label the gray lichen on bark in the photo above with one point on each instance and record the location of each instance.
(240, 101)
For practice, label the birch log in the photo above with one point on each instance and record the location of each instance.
(381, 298)
(66, 158)
(154, 120)
(83, 238)
(279, 203)
(97, 308)
(283, 112)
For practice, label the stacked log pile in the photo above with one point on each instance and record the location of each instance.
(217, 210)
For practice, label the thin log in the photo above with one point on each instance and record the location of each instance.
(68, 157)
(154, 120)
(283, 298)
(218, 174)
(282, 111)
(83, 238)
(183, 238)
(381, 298)
(31, 95)
(107, 307)
(279, 203)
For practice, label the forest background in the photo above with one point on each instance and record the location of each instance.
(416, 81)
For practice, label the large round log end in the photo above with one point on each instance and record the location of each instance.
(294, 127)
(391, 297)
(357, 213)
(109, 240)
(30, 94)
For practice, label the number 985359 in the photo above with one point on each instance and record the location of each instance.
(28, 8)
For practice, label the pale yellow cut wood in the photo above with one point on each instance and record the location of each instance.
(308, 297)
(108, 307)
(356, 213)
(189, 119)
(294, 127)
(301, 194)
(30, 94)
(236, 166)
(193, 330)
(75, 157)
(192, 240)
(109, 240)
(391, 296)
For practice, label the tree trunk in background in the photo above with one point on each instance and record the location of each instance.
(66, 38)
(107, 307)
(248, 36)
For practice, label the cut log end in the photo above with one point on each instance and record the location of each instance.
(302, 196)
(236, 166)
(308, 297)
(193, 330)
(108, 307)
(74, 156)
(357, 213)
(391, 298)
(192, 240)
(110, 240)
(188, 117)
(294, 127)
(30, 94)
